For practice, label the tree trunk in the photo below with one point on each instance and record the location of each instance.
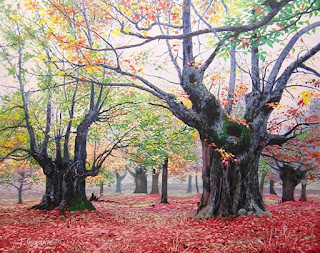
(155, 182)
(271, 188)
(189, 189)
(64, 189)
(197, 185)
(101, 188)
(20, 190)
(303, 196)
(141, 180)
(262, 180)
(164, 187)
(290, 178)
(230, 188)
(119, 179)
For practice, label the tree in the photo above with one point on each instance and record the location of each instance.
(164, 186)
(155, 181)
(231, 147)
(58, 114)
(18, 174)
(299, 156)
(264, 170)
(158, 136)
(140, 179)
(119, 179)
(189, 189)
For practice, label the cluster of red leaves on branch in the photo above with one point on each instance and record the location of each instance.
(139, 224)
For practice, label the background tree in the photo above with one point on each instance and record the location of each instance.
(299, 156)
(157, 136)
(18, 174)
(264, 170)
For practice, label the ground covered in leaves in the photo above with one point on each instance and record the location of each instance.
(138, 223)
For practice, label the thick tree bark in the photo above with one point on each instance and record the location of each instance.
(230, 188)
(119, 179)
(155, 182)
(271, 188)
(65, 190)
(303, 196)
(290, 178)
(189, 189)
(164, 187)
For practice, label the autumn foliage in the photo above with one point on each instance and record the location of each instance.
(138, 223)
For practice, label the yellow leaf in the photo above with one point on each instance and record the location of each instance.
(117, 31)
(126, 29)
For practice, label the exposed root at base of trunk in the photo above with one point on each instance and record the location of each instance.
(81, 204)
(207, 213)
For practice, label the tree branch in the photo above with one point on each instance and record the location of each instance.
(275, 139)
(283, 55)
(316, 73)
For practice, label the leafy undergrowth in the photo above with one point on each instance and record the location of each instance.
(137, 223)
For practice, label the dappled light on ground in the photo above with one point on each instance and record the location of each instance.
(138, 223)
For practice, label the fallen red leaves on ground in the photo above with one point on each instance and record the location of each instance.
(138, 223)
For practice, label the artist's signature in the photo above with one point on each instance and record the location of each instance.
(35, 243)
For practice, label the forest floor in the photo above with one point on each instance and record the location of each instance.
(138, 223)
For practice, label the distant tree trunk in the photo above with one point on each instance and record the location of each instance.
(101, 188)
(140, 179)
(271, 189)
(164, 187)
(119, 179)
(20, 190)
(197, 185)
(290, 177)
(303, 196)
(262, 180)
(189, 189)
(155, 182)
